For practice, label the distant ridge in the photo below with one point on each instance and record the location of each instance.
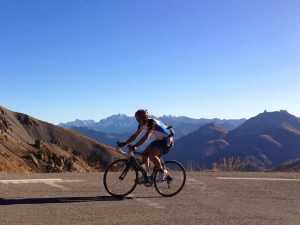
(197, 147)
(123, 124)
(263, 142)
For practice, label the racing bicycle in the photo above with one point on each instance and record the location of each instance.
(123, 175)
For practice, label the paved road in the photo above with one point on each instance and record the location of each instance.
(208, 198)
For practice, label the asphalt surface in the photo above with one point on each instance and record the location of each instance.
(208, 198)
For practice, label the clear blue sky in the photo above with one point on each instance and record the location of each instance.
(62, 59)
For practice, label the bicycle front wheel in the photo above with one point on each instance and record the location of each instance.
(172, 184)
(120, 178)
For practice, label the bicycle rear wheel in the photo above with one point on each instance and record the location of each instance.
(120, 178)
(173, 183)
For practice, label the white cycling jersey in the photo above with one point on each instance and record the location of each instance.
(160, 130)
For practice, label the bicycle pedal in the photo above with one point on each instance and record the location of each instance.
(148, 182)
(142, 180)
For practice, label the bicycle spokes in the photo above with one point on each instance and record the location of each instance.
(120, 179)
(171, 183)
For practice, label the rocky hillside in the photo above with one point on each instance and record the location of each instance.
(31, 145)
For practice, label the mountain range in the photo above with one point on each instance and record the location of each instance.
(118, 126)
(268, 141)
(264, 142)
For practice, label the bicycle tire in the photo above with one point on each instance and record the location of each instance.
(106, 173)
(181, 168)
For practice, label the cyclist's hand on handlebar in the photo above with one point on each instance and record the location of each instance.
(132, 147)
(121, 144)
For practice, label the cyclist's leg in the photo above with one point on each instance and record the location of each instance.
(164, 149)
(153, 152)
(155, 158)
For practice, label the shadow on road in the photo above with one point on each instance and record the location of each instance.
(57, 200)
(147, 197)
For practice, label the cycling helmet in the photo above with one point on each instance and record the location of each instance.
(141, 114)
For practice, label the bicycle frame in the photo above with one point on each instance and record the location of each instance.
(133, 163)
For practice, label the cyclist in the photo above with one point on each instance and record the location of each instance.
(163, 139)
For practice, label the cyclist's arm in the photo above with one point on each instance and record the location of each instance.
(134, 136)
(151, 126)
(144, 138)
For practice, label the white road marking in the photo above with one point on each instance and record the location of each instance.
(50, 182)
(258, 179)
(29, 181)
(61, 187)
